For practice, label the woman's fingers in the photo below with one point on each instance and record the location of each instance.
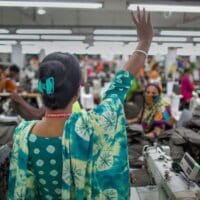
(134, 19)
(144, 16)
(149, 19)
(138, 14)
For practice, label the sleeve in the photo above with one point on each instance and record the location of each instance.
(10, 86)
(119, 85)
(109, 147)
(13, 169)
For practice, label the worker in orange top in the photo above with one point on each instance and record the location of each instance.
(6, 84)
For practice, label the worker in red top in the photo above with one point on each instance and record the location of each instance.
(186, 88)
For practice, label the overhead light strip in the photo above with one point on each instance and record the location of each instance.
(114, 38)
(170, 39)
(20, 37)
(62, 37)
(7, 42)
(43, 31)
(196, 39)
(166, 8)
(114, 32)
(50, 4)
(180, 33)
(2, 30)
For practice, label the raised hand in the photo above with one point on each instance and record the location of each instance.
(142, 20)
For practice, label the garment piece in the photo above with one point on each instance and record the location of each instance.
(157, 115)
(134, 87)
(94, 152)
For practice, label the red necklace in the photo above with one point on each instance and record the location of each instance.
(57, 115)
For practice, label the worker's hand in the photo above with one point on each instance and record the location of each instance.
(150, 135)
(143, 25)
(133, 177)
(131, 121)
(16, 98)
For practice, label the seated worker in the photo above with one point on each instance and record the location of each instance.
(156, 113)
(154, 75)
(30, 112)
(6, 84)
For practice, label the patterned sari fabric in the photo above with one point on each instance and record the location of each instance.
(94, 152)
(157, 115)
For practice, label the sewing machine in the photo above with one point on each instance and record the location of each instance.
(171, 185)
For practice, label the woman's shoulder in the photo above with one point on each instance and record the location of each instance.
(25, 126)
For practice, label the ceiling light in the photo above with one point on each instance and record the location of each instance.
(5, 48)
(115, 32)
(41, 11)
(50, 4)
(8, 42)
(44, 31)
(16, 37)
(169, 39)
(116, 38)
(180, 33)
(62, 37)
(2, 30)
(166, 8)
(196, 39)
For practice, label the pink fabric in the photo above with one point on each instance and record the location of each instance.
(186, 88)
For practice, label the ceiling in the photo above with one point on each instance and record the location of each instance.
(113, 14)
(83, 22)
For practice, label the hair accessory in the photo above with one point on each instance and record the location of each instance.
(141, 51)
(57, 115)
(47, 87)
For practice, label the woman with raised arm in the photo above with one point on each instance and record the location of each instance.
(76, 155)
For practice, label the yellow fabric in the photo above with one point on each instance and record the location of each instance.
(76, 107)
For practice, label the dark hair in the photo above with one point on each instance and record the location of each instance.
(65, 70)
(186, 70)
(155, 85)
(14, 68)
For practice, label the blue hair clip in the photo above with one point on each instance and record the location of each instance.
(47, 87)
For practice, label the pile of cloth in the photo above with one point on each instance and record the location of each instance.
(183, 139)
(6, 138)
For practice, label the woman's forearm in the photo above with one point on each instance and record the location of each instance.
(142, 21)
(137, 59)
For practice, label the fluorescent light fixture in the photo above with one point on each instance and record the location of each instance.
(115, 38)
(2, 30)
(50, 4)
(62, 37)
(196, 39)
(166, 8)
(102, 43)
(41, 11)
(20, 37)
(180, 33)
(114, 32)
(8, 42)
(43, 31)
(5, 48)
(169, 39)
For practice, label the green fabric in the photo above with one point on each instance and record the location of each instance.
(134, 87)
(45, 161)
(94, 152)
